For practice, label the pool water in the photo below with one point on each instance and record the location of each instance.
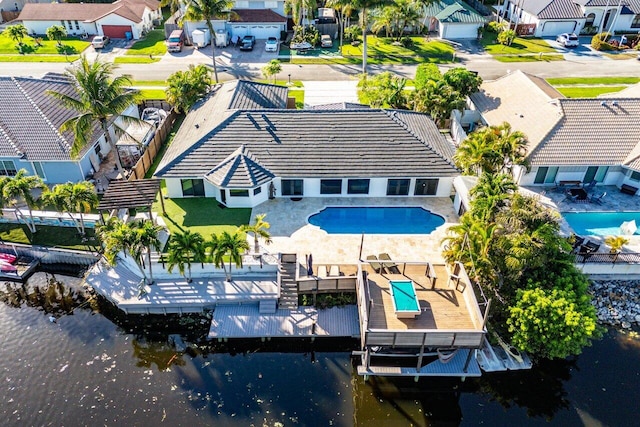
(376, 220)
(404, 296)
(600, 223)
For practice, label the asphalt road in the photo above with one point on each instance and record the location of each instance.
(575, 65)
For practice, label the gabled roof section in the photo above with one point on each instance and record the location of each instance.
(592, 132)
(256, 15)
(30, 120)
(528, 103)
(453, 11)
(322, 143)
(240, 170)
(253, 96)
(133, 10)
(631, 6)
(553, 9)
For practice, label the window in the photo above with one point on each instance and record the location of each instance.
(77, 25)
(546, 175)
(426, 187)
(330, 186)
(192, 187)
(635, 176)
(37, 166)
(257, 191)
(590, 19)
(270, 4)
(358, 186)
(397, 187)
(70, 25)
(636, 22)
(292, 187)
(7, 168)
(238, 193)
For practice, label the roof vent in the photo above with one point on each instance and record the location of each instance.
(603, 103)
(197, 126)
(614, 103)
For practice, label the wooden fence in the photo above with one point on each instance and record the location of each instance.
(8, 16)
(144, 163)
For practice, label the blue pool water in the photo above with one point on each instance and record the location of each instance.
(376, 220)
(600, 223)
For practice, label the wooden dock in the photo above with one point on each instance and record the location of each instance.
(452, 368)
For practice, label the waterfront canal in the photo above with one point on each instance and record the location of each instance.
(93, 366)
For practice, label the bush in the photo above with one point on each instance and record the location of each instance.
(506, 37)
(426, 73)
(307, 34)
(407, 42)
(352, 33)
(495, 27)
(598, 42)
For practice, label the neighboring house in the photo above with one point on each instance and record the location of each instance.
(453, 19)
(261, 23)
(119, 20)
(242, 147)
(545, 18)
(569, 139)
(29, 132)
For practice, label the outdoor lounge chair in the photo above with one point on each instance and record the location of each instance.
(599, 198)
(589, 247)
(577, 242)
(392, 267)
(334, 271)
(377, 267)
(322, 271)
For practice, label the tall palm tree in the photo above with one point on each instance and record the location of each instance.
(258, 229)
(21, 187)
(198, 10)
(185, 248)
(98, 97)
(17, 33)
(364, 6)
(228, 245)
(438, 99)
(146, 239)
(478, 154)
(344, 10)
(407, 12)
(119, 238)
(511, 144)
(71, 197)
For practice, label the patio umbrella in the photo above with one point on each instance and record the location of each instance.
(310, 265)
(628, 227)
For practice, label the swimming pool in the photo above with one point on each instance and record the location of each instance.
(600, 223)
(376, 220)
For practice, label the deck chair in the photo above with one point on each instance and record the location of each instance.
(589, 247)
(322, 271)
(391, 266)
(377, 267)
(598, 199)
(334, 271)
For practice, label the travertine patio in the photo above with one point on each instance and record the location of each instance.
(291, 233)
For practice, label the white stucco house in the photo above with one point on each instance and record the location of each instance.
(118, 20)
(585, 140)
(242, 147)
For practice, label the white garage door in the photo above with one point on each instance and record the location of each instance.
(558, 27)
(459, 31)
(264, 31)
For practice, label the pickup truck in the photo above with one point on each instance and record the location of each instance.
(99, 42)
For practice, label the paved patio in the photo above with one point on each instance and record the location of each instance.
(291, 233)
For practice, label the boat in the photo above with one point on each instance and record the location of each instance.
(8, 258)
(509, 349)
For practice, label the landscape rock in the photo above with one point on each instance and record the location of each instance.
(617, 302)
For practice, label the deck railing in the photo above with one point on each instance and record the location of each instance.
(608, 258)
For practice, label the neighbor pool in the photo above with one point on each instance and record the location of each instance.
(600, 223)
(376, 220)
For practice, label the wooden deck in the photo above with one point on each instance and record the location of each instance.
(443, 307)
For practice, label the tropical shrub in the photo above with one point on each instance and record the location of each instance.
(425, 73)
(495, 27)
(463, 81)
(506, 37)
(384, 90)
(598, 42)
(352, 33)
(307, 34)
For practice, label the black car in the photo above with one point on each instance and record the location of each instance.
(247, 43)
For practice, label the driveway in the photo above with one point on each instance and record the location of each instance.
(583, 52)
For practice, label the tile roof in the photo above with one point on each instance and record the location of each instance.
(632, 5)
(453, 11)
(321, 143)
(240, 170)
(553, 9)
(30, 119)
(252, 96)
(502, 100)
(592, 132)
(133, 10)
(256, 15)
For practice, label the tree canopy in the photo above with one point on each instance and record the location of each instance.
(185, 88)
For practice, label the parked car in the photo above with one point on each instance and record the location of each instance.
(247, 43)
(568, 40)
(153, 116)
(99, 42)
(175, 41)
(272, 45)
(325, 40)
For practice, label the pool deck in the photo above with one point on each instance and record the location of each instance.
(291, 233)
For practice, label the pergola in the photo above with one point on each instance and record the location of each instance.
(139, 193)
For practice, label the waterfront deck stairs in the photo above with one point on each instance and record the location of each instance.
(288, 270)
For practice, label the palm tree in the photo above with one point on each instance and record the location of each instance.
(56, 32)
(185, 88)
(233, 246)
(438, 99)
(146, 239)
(384, 20)
(491, 194)
(73, 197)
(477, 154)
(120, 237)
(21, 186)
(185, 248)
(408, 12)
(104, 230)
(344, 10)
(17, 33)
(299, 9)
(98, 97)
(258, 229)
(363, 6)
(511, 144)
(198, 10)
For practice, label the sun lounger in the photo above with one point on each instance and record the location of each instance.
(334, 271)
(589, 247)
(391, 266)
(322, 271)
(377, 267)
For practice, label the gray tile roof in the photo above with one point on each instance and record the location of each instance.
(453, 11)
(592, 132)
(30, 119)
(240, 170)
(553, 9)
(321, 143)
(253, 96)
(632, 5)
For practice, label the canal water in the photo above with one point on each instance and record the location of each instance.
(69, 361)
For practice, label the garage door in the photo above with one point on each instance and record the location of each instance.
(460, 31)
(116, 31)
(558, 27)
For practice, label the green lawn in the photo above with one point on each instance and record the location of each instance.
(162, 83)
(382, 50)
(588, 91)
(135, 60)
(152, 44)
(48, 47)
(202, 215)
(528, 58)
(299, 96)
(520, 45)
(153, 94)
(39, 58)
(59, 237)
(593, 80)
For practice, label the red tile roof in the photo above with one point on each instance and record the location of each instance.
(132, 10)
(256, 15)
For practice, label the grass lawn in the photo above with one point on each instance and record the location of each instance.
(39, 58)
(73, 45)
(299, 96)
(528, 58)
(59, 237)
(162, 83)
(382, 50)
(153, 94)
(593, 80)
(167, 143)
(588, 91)
(621, 56)
(202, 215)
(519, 45)
(294, 83)
(152, 44)
(135, 60)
